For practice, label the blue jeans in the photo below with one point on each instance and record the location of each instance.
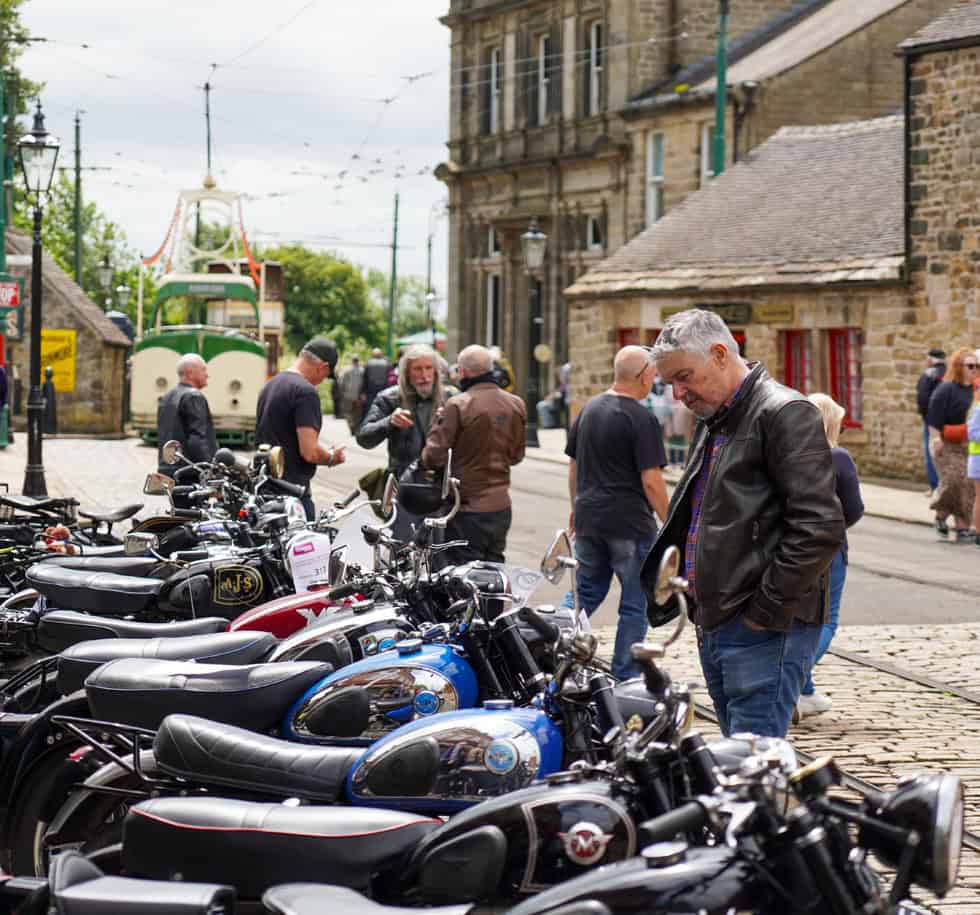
(754, 678)
(308, 506)
(838, 575)
(599, 558)
(931, 474)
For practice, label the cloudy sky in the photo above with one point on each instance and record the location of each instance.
(321, 111)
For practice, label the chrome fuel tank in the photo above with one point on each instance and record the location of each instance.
(370, 698)
(458, 759)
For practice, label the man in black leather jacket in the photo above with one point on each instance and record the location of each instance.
(183, 415)
(757, 520)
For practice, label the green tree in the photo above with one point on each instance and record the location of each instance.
(17, 89)
(100, 237)
(324, 294)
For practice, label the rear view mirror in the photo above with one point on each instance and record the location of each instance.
(447, 475)
(171, 452)
(337, 565)
(158, 484)
(557, 557)
(139, 544)
(277, 462)
(670, 562)
(388, 497)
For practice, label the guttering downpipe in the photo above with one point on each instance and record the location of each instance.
(907, 181)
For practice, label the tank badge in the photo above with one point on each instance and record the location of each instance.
(426, 702)
(501, 757)
(234, 585)
(385, 644)
(585, 843)
(311, 616)
(634, 725)
(369, 645)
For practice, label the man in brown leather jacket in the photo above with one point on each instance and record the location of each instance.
(757, 520)
(484, 426)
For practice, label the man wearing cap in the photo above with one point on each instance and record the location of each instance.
(289, 415)
(928, 381)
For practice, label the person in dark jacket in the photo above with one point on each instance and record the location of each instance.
(402, 416)
(849, 492)
(928, 382)
(948, 408)
(375, 379)
(757, 520)
(183, 415)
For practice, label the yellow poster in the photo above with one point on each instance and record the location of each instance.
(59, 349)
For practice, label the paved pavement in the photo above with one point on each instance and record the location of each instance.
(880, 726)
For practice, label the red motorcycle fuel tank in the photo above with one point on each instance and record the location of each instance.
(524, 842)
(287, 615)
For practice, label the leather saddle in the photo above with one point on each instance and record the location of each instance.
(58, 629)
(99, 592)
(110, 517)
(220, 754)
(142, 692)
(78, 661)
(117, 563)
(77, 887)
(315, 899)
(254, 846)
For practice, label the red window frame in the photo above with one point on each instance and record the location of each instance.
(797, 348)
(846, 382)
(635, 336)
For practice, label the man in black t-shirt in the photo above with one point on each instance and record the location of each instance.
(289, 415)
(615, 483)
(928, 381)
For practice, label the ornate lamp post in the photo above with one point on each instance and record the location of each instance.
(104, 272)
(534, 243)
(38, 152)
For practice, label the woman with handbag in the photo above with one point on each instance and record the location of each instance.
(948, 408)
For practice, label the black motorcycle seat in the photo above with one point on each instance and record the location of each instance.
(60, 628)
(78, 661)
(142, 692)
(315, 899)
(78, 887)
(253, 846)
(99, 592)
(117, 514)
(221, 754)
(118, 564)
(30, 504)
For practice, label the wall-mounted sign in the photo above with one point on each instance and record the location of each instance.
(11, 306)
(729, 312)
(12, 323)
(59, 349)
(10, 291)
(773, 314)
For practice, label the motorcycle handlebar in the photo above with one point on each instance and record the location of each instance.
(686, 818)
(190, 514)
(350, 498)
(546, 629)
(290, 489)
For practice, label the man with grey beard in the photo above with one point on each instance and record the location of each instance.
(402, 414)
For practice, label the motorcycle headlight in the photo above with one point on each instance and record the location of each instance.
(932, 805)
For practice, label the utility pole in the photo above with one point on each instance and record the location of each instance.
(3, 178)
(78, 198)
(721, 88)
(394, 283)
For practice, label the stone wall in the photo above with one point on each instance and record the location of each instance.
(944, 126)
(889, 443)
(95, 406)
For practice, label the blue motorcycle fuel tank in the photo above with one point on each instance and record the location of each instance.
(457, 759)
(372, 697)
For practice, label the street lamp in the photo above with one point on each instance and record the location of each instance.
(38, 152)
(430, 300)
(122, 296)
(104, 273)
(534, 243)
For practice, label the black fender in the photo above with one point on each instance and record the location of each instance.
(35, 738)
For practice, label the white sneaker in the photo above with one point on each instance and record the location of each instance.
(814, 704)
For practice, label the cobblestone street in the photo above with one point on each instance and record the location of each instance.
(881, 726)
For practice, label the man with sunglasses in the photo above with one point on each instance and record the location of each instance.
(616, 484)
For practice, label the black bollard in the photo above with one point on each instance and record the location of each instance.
(49, 424)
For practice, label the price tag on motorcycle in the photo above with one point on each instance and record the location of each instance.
(309, 554)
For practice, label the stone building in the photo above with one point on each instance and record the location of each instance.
(804, 260)
(95, 404)
(555, 109)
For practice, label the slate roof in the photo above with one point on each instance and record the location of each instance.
(58, 283)
(812, 205)
(961, 23)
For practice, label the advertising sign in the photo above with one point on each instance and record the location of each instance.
(59, 349)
